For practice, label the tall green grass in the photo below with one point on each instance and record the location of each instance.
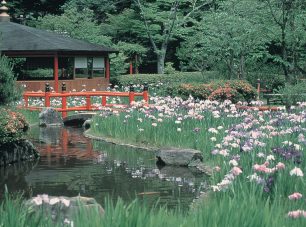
(190, 133)
(240, 206)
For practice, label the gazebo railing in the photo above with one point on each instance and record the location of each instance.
(47, 95)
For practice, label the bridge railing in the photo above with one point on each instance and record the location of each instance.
(47, 95)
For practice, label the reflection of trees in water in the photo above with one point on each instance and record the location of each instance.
(13, 177)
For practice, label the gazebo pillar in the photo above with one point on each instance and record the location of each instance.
(107, 68)
(55, 71)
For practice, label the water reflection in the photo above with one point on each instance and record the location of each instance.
(71, 164)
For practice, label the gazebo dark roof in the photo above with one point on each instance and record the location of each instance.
(19, 38)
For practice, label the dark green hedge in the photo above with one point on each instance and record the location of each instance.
(155, 79)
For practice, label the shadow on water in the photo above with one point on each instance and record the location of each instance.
(71, 164)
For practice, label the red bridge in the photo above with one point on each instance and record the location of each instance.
(47, 96)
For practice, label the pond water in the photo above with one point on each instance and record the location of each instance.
(71, 164)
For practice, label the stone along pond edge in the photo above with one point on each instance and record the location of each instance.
(193, 158)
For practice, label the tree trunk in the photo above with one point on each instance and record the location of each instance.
(242, 67)
(229, 68)
(284, 53)
(230, 65)
(136, 65)
(161, 63)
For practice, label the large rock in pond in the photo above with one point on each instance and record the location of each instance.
(64, 209)
(21, 150)
(49, 117)
(178, 157)
(50, 135)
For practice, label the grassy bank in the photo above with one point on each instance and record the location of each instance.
(236, 207)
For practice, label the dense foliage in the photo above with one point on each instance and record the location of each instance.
(171, 78)
(235, 37)
(12, 126)
(8, 90)
(292, 94)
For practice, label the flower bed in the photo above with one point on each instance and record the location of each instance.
(259, 153)
(12, 126)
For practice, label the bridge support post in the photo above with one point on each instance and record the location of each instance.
(103, 100)
(26, 101)
(88, 104)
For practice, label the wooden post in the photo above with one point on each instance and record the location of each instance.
(103, 100)
(131, 94)
(64, 101)
(258, 89)
(26, 101)
(47, 95)
(107, 68)
(146, 93)
(131, 68)
(55, 70)
(88, 104)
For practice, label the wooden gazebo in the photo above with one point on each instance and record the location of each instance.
(44, 56)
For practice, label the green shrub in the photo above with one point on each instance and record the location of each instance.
(169, 69)
(198, 91)
(155, 79)
(12, 126)
(234, 90)
(268, 81)
(119, 64)
(245, 90)
(9, 91)
(292, 94)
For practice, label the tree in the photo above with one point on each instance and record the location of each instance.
(8, 88)
(82, 25)
(34, 8)
(230, 35)
(288, 17)
(127, 33)
(76, 24)
(101, 8)
(162, 20)
(134, 52)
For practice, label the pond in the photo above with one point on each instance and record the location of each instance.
(72, 165)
